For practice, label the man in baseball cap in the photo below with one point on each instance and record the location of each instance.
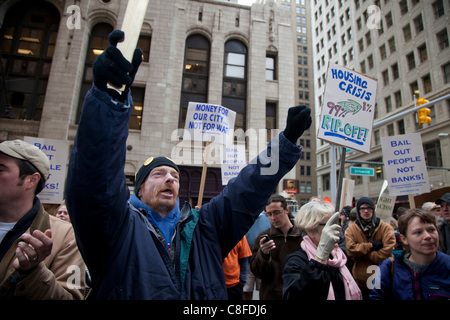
(444, 228)
(35, 248)
(22, 150)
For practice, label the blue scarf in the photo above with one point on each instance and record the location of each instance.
(165, 225)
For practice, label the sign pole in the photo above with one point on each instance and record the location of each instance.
(202, 183)
(131, 26)
(341, 178)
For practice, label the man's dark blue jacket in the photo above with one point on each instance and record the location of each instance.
(121, 249)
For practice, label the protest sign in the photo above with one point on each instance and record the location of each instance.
(348, 109)
(233, 160)
(385, 203)
(209, 122)
(348, 188)
(57, 152)
(404, 164)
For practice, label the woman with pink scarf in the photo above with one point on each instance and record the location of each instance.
(317, 271)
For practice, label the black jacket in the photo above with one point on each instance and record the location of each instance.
(305, 279)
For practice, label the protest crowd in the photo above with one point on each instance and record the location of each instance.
(104, 244)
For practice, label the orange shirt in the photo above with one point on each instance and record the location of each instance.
(231, 266)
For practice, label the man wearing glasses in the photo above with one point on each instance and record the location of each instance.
(269, 253)
(369, 242)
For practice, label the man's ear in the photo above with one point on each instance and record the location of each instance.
(33, 180)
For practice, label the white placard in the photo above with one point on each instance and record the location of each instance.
(232, 162)
(348, 109)
(57, 152)
(404, 163)
(385, 203)
(209, 122)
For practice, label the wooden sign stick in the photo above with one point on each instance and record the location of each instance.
(131, 26)
(202, 183)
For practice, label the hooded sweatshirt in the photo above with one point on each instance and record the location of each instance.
(359, 236)
(367, 226)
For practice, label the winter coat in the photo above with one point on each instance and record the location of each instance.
(399, 282)
(61, 276)
(304, 278)
(269, 268)
(122, 251)
(359, 247)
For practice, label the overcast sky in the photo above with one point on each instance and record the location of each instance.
(246, 2)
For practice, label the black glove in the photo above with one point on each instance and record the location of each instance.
(377, 245)
(112, 67)
(298, 120)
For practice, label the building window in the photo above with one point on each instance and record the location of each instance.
(376, 136)
(385, 75)
(438, 9)
(235, 81)
(413, 87)
(378, 170)
(28, 38)
(407, 32)
(403, 6)
(361, 45)
(398, 99)
(390, 129)
(446, 73)
(401, 126)
(426, 80)
(98, 41)
(418, 23)
(383, 52)
(388, 104)
(144, 43)
(326, 183)
(442, 39)
(433, 154)
(388, 18)
(395, 71)
(423, 55)
(270, 67)
(195, 73)
(363, 67)
(370, 61)
(271, 118)
(135, 121)
(392, 46)
(411, 61)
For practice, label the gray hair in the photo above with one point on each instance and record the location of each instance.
(312, 214)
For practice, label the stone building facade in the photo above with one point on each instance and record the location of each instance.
(405, 46)
(48, 48)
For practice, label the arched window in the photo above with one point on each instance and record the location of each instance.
(28, 38)
(98, 41)
(235, 81)
(195, 74)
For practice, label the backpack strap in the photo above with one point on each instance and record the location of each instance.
(392, 266)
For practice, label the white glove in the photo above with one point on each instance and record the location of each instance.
(330, 236)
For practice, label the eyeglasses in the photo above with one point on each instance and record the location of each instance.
(365, 208)
(275, 213)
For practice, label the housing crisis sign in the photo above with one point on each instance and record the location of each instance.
(348, 109)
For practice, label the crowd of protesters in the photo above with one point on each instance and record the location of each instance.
(103, 243)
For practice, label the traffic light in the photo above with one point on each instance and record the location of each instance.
(423, 114)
